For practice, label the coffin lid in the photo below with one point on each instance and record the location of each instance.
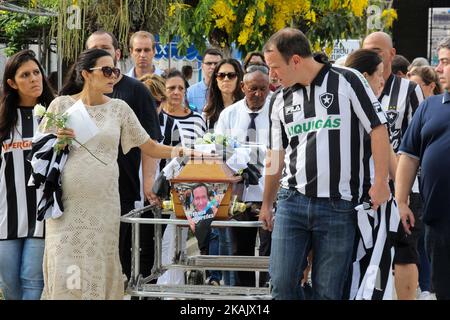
(207, 170)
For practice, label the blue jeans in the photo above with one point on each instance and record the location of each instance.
(301, 223)
(214, 251)
(220, 244)
(226, 250)
(21, 275)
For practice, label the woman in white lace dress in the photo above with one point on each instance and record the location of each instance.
(81, 259)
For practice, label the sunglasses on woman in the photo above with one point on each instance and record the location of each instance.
(108, 71)
(229, 75)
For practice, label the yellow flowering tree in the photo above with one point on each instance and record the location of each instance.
(249, 23)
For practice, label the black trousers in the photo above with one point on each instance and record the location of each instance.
(437, 243)
(243, 244)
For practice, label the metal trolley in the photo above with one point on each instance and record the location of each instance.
(141, 287)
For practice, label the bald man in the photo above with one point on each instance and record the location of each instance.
(381, 42)
(399, 100)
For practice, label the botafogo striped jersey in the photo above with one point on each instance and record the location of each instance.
(18, 202)
(399, 100)
(321, 127)
(372, 266)
(171, 134)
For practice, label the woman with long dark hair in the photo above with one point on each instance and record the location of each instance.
(81, 259)
(224, 89)
(21, 236)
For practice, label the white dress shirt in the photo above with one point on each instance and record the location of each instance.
(234, 121)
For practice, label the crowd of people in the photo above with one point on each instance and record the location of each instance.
(330, 136)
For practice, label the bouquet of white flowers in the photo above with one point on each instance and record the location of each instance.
(217, 143)
(59, 121)
(48, 157)
(237, 156)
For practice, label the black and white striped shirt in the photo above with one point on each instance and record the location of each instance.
(190, 128)
(399, 100)
(372, 265)
(18, 202)
(321, 127)
(169, 129)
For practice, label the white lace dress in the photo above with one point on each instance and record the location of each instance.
(81, 259)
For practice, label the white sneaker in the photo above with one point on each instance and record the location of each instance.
(425, 295)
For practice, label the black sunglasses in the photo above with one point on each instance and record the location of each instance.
(229, 75)
(257, 67)
(108, 71)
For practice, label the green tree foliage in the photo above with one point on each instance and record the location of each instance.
(121, 17)
(18, 29)
(77, 18)
(249, 23)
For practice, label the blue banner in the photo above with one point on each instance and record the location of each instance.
(170, 50)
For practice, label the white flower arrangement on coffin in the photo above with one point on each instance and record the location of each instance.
(212, 138)
(237, 156)
(216, 143)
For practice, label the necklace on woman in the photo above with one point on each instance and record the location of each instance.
(27, 116)
(26, 112)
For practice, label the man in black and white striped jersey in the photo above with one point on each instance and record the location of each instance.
(317, 126)
(399, 100)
